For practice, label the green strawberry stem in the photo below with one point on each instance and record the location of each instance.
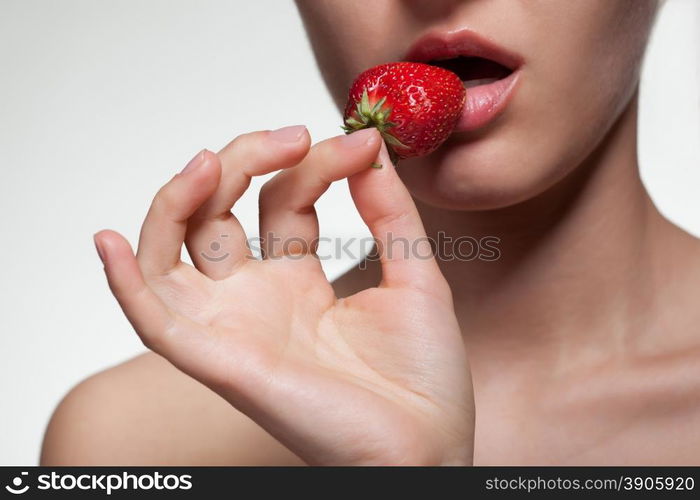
(366, 115)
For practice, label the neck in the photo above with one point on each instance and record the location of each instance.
(572, 260)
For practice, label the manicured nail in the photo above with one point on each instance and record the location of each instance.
(288, 134)
(360, 138)
(194, 162)
(100, 251)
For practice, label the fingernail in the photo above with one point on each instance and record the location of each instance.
(360, 138)
(100, 251)
(194, 162)
(288, 134)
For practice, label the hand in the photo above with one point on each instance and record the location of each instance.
(379, 377)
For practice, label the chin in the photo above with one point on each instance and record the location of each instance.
(476, 175)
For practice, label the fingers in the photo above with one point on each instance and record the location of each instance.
(164, 228)
(215, 238)
(288, 222)
(145, 311)
(388, 210)
(179, 339)
(194, 348)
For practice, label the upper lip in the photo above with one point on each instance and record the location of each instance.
(437, 45)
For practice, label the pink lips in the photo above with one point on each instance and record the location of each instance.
(484, 102)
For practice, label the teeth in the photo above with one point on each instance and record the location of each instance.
(475, 83)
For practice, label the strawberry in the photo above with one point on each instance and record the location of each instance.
(414, 106)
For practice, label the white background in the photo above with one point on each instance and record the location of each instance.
(103, 101)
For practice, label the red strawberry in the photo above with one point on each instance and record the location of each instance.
(414, 106)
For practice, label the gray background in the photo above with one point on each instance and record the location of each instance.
(102, 101)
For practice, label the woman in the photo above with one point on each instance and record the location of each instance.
(578, 345)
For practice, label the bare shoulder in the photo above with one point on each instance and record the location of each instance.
(146, 412)
(667, 368)
(662, 379)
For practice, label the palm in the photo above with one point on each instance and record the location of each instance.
(377, 377)
(371, 347)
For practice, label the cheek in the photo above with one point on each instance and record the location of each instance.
(349, 37)
(587, 70)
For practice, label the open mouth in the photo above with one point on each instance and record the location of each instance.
(489, 72)
(473, 71)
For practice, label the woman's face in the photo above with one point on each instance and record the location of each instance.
(578, 69)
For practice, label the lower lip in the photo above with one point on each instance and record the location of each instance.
(485, 102)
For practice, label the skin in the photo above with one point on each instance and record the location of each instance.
(578, 345)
